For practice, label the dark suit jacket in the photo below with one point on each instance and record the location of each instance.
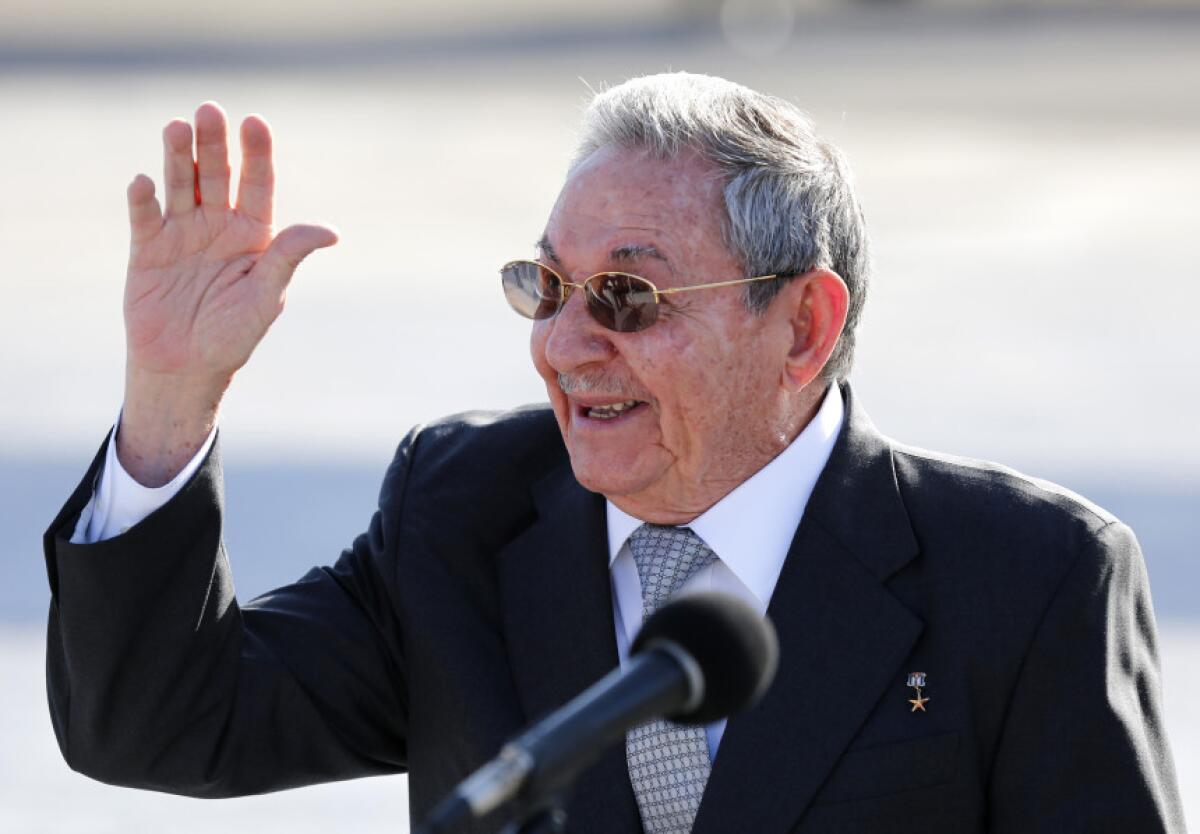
(479, 599)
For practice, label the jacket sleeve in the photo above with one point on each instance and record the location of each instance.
(1084, 748)
(158, 679)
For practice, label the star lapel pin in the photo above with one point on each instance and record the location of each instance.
(916, 680)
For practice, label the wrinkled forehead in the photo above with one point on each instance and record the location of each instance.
(627, 200)
(638, 175)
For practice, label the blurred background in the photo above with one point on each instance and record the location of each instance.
(1029, 171)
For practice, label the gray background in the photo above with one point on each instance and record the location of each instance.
(1029, 174)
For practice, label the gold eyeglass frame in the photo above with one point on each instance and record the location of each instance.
(567, 286)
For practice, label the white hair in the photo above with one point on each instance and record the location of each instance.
(788, 194)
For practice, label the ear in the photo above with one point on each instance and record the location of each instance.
(817, 302)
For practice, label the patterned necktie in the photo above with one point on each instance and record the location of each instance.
(668, 763)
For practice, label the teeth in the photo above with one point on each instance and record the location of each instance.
(608, 412)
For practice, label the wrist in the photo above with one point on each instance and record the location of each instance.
(165, 420)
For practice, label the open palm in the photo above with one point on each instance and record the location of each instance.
(207, 279)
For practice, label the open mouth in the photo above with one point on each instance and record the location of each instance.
(610, 411)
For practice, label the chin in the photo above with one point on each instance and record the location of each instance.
(607, 476)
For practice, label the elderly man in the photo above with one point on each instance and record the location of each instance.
(962, 648)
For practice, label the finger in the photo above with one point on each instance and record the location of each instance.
(212, 155)
(145, 216)
(295, 243)
(256, 187)
(179, 171)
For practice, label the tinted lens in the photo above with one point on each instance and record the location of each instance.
(620, 302)
(532, 290)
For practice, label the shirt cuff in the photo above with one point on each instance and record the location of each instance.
(119, 502)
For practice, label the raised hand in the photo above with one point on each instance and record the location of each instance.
(205, 282)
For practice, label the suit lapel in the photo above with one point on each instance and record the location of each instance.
(558, 620)
(842, 635)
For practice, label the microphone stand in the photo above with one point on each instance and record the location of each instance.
(549, 816)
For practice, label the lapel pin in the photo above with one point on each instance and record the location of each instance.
(916, 680)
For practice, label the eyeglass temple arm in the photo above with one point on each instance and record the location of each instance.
(673, 290)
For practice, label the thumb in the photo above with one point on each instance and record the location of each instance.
(288, 249)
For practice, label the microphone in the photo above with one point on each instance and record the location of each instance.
(698, 658)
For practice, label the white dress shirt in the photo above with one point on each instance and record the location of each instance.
(119, 502)
(750, 530)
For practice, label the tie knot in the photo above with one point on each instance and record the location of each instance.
(666, 558)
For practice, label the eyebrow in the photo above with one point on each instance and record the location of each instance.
(622, 254)
(635, 251)
(547, 249)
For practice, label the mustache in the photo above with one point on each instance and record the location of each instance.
(602, 382)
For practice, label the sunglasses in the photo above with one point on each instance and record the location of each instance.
(616, 300)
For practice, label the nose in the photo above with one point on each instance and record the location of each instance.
(574, 339)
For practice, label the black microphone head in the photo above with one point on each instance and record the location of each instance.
(735, 648)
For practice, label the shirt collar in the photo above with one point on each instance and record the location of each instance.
(751, 528)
